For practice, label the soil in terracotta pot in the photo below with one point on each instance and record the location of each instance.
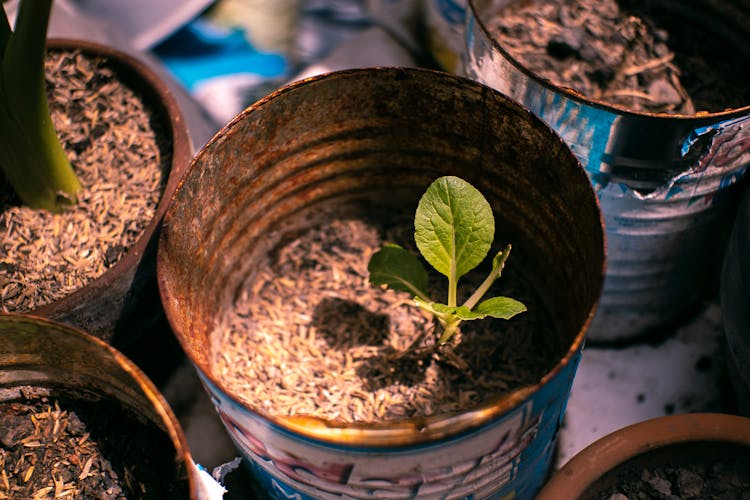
(74, 449)
(621, 53)
(116, 145)
(687, 476)
(311, 336)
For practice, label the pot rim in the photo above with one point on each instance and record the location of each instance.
(406, 432)
(156, 400)
(596, 103)
(163, 100)
(608, 452)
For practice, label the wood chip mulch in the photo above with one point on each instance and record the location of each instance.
(52, 449)
(311, 337)
(118, 152)
(75, 464)
(626, 57)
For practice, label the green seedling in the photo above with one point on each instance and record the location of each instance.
(453, 229)
(31, 156)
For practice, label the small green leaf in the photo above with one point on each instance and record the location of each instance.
(398, 269)
(440, 309)
(496, 307)
(500, 307)
(448, 312)
(435, 308)
(460, 312)
(498, 263)
(453, 226)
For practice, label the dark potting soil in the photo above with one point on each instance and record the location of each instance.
(80, 449)
(681, 477)
(625, 54)
(312, 337)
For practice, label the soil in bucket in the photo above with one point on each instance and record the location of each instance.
(120, 152)
(626, 54)
(310, 336)
(73, 448)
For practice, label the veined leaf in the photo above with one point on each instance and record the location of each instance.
(398, 269)
(453, 226)
(500, 307)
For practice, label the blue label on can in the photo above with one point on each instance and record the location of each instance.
(508, 456)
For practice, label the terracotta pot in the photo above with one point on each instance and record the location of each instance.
(40, 357)
(670, 440)
(666, 183)
(123, 300)
(370, 141)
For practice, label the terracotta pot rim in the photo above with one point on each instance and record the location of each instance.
(148, 389)
(162, 98)
(596, 103)
(603, 455)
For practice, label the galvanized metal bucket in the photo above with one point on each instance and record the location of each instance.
(663, 181)
(370, 141)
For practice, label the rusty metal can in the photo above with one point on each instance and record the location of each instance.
(41, 358)
(664, 181)
(367, 142)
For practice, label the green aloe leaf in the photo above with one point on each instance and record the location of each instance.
(398, 269)
(31, 156)
(453, 226)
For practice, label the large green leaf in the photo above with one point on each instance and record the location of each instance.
(453, 226)
(398, 269)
